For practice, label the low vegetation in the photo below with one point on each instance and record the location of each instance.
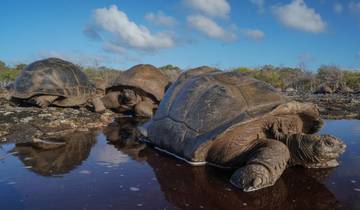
(297, 79)
(284, 78)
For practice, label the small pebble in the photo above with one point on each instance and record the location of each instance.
(139, 204)
(84, 172)
(357, 189)
(353, 181)
(11, 183)
(244, 204)
(134, 189)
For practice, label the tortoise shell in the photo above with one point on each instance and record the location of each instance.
(194, 111)
(144, 77)
(52, 76)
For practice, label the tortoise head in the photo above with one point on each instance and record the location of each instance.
(328, 147)
(130, 97)
(321, 151)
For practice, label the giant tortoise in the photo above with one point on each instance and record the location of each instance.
(55, 81)
(138, 89)
(228, 119)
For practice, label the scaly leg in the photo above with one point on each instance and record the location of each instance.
(145, 108)
(44, 100)
(111, 100)
(98, 104)
(264, 167)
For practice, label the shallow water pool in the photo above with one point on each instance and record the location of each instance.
(110, 170)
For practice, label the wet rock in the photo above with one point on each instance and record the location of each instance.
(26, 124)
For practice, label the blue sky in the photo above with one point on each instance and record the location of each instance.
(187, 33)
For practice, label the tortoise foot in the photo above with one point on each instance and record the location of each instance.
(44, 101)
(252, 177)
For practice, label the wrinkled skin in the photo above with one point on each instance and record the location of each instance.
(265, 167)
(231, 120)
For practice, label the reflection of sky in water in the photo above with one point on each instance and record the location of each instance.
(108, 155)
(161, 182)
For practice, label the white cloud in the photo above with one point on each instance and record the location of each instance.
(110, 156)
(338, 8)
(214, 8)
(254, 34)
(299, 16)
(210, 28)
(160, 18)
(259, 4)
(129, 33)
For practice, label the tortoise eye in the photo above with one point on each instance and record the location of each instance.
(329, 143)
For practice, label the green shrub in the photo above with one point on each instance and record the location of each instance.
(8, 75)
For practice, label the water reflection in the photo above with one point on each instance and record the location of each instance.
(138, 176)
(123, 136)
(57, 161)
(189, 187)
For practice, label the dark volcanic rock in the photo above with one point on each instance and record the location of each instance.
(29, 124)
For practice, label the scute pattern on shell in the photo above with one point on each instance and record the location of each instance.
(196, 110)
(52, 76)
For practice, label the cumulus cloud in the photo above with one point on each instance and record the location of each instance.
(128, 33)
(214, 8)
(259, 4)
(210, 28)
(338, 8)
(254, 34)
(299, 16)
(160, 18)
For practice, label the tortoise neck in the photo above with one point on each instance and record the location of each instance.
(300, 148)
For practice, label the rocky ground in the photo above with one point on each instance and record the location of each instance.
(27, 124)
(333, 106)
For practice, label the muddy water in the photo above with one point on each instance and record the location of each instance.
(110, 170)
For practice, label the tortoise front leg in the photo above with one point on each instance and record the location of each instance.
(111, 100)
(267, 162)
(44, 100)
(145, 108)
(98, 104)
